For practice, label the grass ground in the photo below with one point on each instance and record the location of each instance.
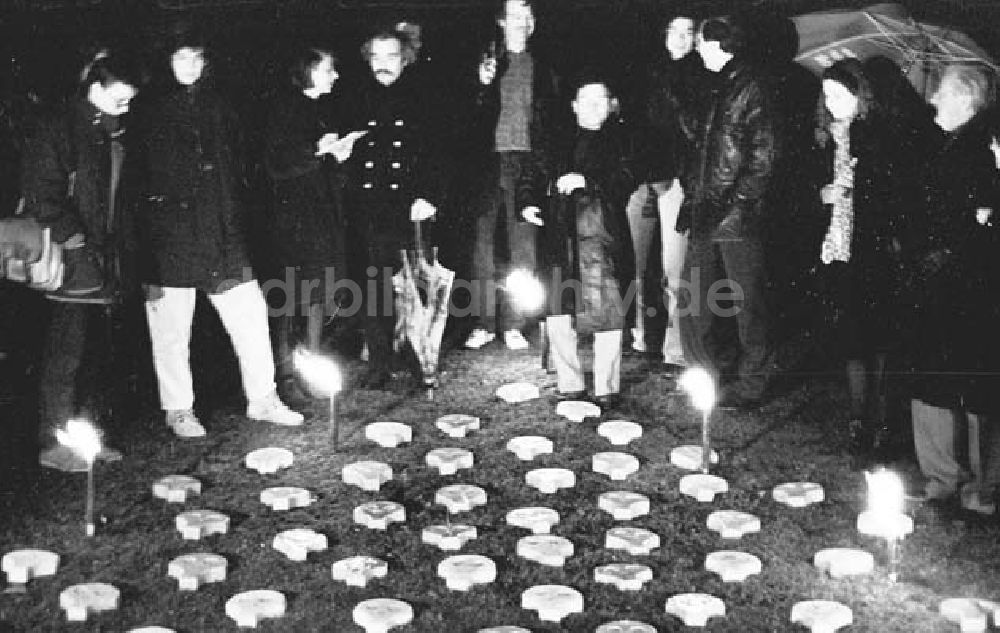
(798, 436)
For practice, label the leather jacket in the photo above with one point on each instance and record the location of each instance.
(729, 171)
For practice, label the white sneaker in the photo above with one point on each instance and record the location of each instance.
(514, 340)
(184, 423)
(478, 338)
(271, 409)
(638, 340)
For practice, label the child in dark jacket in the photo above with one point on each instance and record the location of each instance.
(585, 245)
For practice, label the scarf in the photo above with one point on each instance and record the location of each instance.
(837, 242)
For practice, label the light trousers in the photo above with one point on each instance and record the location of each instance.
(672, 252)
(566, 358)
(244, 315)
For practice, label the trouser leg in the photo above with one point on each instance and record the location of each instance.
(673, 255)
(62, 355)
(642, 229)
(744, 265)
(243, 313)
(934, 439)
(701, 269)
(522, 236)
(483, 290)
(607, 362)
(169, 318)
(564, 353)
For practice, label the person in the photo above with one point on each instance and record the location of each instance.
(724, 183)
(675, 82)
(954, 364)
(193, 225)
(585, 241)
(867, 182)
(303, 155)
(74, 183)
(513, 116)
(394, 182)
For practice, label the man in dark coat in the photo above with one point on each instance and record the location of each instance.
(394, 181)
(724, 185)
(512, 118)
(194, 226)
(675, 93)
(585, 244)
(73, 184)
(955, 348)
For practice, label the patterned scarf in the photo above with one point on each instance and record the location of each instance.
(837, 243)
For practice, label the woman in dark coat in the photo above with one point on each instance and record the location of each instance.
(868, 182)
(585, 245)
(300, 154)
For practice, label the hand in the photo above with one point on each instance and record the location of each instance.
(984, 215)
(343, 147)
(76, 240)
(325, 144)
(568, 183)
(421, 210)
(487, 70)
(152, 292)
(831, 193)
(531, 215)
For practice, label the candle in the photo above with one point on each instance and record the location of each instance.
(323, 377)
(84, 440)
(701, 388)
(884, 516)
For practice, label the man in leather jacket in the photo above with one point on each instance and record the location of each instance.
(724, 184)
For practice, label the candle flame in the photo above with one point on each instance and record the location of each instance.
(885, 492)
(699, 385)
(526, 291)
(320, 372)
(82, 438)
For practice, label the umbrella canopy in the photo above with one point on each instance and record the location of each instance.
(886, 30)
(422, 289)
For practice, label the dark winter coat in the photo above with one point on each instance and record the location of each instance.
(306, 217)
(194, 217)
(585, 241)
(677, 90)
(955, 351)
(865, 291)
(66, 184)
(396, 162)
(730, 166)
(479, 120)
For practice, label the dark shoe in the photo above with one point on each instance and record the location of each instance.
(609, 401)
(572, 395)
(672, 371)
(734, 400)
(860, 436)
(376, 379)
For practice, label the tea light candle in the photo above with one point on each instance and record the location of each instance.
(577, 410)
(457, 425)
(298, 542)
(527, 447)
(282, 498)
(549, 480)
(197, 524)
(617, 466)
(389, 434)
(377, 515)
(635, 541)
(545, 549)
(270, 460)
(623, 505)
(79, 601)
(449, 460)
(625, 576)
(193, 570)
(367, 474)
(516, 392)
(24, 565)
(821, 616)
(695, 609)
(378, 615)
(176, 488)
(619, 432)
(250, 607)
(537, 519)
(463, 571)
(448, 537)
(460, 497)
(357, 571)
(552, 602)
(703, 487)
(733, 525)
(733, 566)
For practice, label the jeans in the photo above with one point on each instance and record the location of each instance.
(499, 210)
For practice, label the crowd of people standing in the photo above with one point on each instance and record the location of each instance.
(563, 178)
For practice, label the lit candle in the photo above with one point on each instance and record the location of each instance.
(323, 377)
(884, 516)
(701, 388)
(84, 440)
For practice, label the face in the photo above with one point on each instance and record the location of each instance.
(386, 60)
(112, 99)
(518, 23)
(953, 104)
(592, 106)
(323, 75)
(840, 101)
(711, 53)
(188, 64)
(679, 37)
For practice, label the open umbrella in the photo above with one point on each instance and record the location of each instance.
(422, 289)
(887, 30)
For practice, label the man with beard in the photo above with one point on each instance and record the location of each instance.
(393, 182)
